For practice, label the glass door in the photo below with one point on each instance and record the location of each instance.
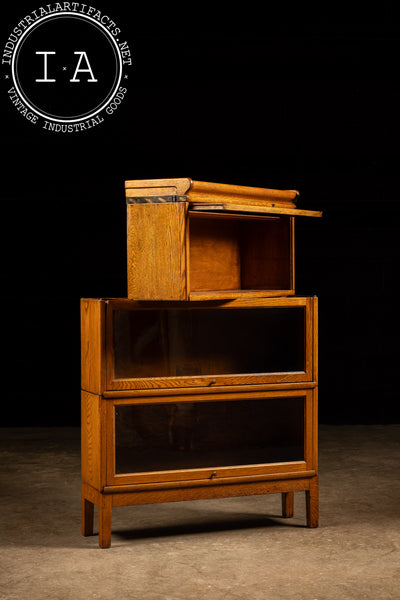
(185, 347)
(238, 434)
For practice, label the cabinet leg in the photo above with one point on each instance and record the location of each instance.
(105, 520)
(287, 504)
(312, 503)
(87, 517)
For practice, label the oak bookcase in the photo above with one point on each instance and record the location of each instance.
(203, 382)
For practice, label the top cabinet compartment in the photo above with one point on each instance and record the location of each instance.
(190, 240)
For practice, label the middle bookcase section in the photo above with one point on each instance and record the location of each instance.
(164, 345)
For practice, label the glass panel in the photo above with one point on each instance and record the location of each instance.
(186, 435)
(170, 343)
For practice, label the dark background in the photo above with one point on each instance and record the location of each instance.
(300, 98)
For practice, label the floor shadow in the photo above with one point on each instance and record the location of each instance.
(205, 527)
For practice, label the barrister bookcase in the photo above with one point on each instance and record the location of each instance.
(208, 393)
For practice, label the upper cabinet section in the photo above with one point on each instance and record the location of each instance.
(192, 240)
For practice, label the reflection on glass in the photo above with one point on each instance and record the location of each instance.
(170, 343)
(183, 435)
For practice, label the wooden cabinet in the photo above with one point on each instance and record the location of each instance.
(190, 240)
(203, 382)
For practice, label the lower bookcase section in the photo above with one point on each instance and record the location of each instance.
(139, 450)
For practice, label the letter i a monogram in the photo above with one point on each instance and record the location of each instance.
(74, 79)
(45, 55)
(78, 70)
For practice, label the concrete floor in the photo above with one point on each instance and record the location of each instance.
(236, 549)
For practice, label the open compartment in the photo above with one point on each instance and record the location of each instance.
(239, 254)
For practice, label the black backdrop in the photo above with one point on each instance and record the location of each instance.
(283, 99)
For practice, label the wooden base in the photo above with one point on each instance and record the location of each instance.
(106, 501)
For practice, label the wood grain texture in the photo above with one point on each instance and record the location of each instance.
(91, 439)
(156, 251)
(204, 191)
(229, 393)
(315, 338)
(87, 516)
(309, 339)
(90, 497)
(92, 345)
(214, 255)
(105, 521)
(157, 187)
(211, 491)
(109, 436)
(212, 482)
(315, 378)
(236, 294)
(209, 382)
(250, 206)
(314, 461)
(177, 392)
(309, 430)
(312, 503)
(205, 477)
